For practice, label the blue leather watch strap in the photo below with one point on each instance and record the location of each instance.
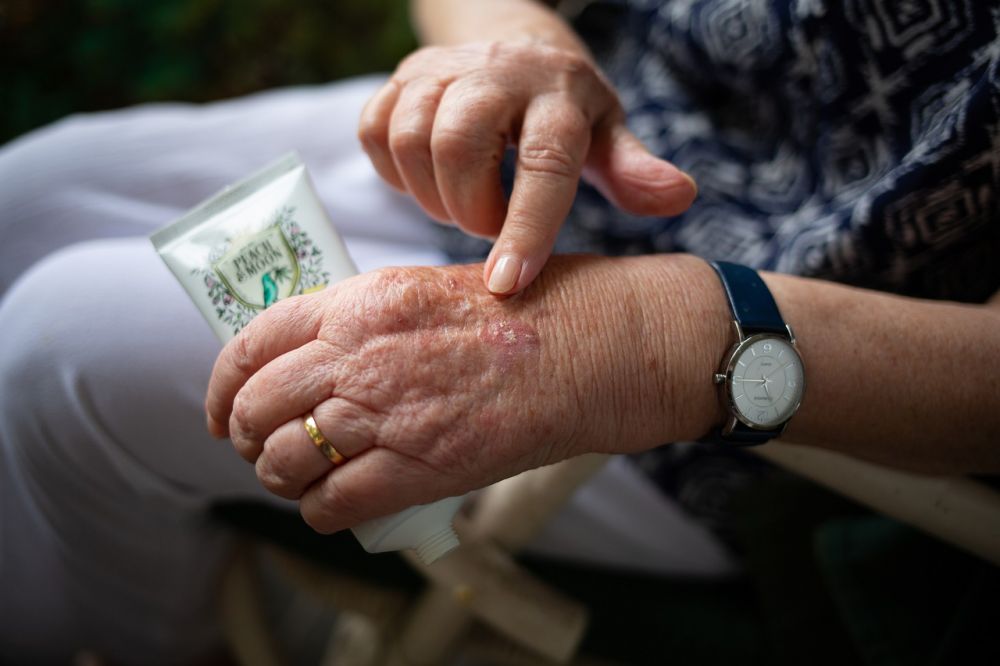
(750, 299)
(747, 436)
(754, 309)
(741, 435)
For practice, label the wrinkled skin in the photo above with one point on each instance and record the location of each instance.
(439, 127)
(432, 387)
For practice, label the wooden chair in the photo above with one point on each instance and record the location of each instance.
(482, 585)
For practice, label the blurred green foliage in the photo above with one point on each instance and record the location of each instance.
(62, 56)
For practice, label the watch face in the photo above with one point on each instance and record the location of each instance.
(765, 381)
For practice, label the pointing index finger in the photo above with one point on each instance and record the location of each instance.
(555, 138)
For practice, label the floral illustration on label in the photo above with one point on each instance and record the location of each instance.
(250, 273)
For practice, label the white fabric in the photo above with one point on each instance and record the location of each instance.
(105, 465)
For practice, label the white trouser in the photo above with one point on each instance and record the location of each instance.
(105, 465)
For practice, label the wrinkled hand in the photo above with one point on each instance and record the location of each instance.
(432, 387)
(439, 128)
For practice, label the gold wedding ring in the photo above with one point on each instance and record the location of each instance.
(321, 442)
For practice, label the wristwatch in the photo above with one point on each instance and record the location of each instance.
(761, 380)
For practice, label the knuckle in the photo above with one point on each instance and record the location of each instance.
(407, 294)
(332, 507)
(570, 64)
(451, 143)
(332, 497)
(243, 353)
(577, 80)
(292, 311)
(547, 159)
(500, 49)
(371, 133)
(276, 313)
(389, 278)
(574, 70)
(273, 476)
(409, 142)
(415, 61)
(315, 517)
(483, 100)
(241, 419)
(389, 293)
(572, 122)
(245, 450)
(461, 147)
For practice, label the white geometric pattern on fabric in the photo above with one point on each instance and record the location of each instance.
(853, 141)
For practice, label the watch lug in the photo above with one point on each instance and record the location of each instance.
(730, 425)
(791, 333)
(719, 378)
(738, 329)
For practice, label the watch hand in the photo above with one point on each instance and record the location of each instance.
(768, 375)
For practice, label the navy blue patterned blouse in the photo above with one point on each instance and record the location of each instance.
(851, 140)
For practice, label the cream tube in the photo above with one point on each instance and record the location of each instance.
(268, 238)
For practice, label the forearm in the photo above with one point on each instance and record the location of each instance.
(902, 381)
(905, 382)
(450, 22)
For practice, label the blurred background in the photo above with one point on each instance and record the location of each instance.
(59, 57)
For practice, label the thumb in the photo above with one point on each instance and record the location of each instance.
(632, 178)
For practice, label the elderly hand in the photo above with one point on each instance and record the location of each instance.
(432, 388)
(439, 128)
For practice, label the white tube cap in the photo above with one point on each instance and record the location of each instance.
(438, 545)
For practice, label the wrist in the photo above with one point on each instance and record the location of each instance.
(640, 338)
(686, 332)
(595, 310)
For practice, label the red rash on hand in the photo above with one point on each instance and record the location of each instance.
(512, 339)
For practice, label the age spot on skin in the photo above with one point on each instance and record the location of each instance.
(512, 339)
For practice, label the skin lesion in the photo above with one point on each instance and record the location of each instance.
(502, 326)
(512, 341)
(441, 317)
(533, 376)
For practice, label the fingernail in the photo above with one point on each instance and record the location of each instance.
(690, 179)
(505, 274)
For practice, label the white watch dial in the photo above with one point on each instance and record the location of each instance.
(766, 381)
